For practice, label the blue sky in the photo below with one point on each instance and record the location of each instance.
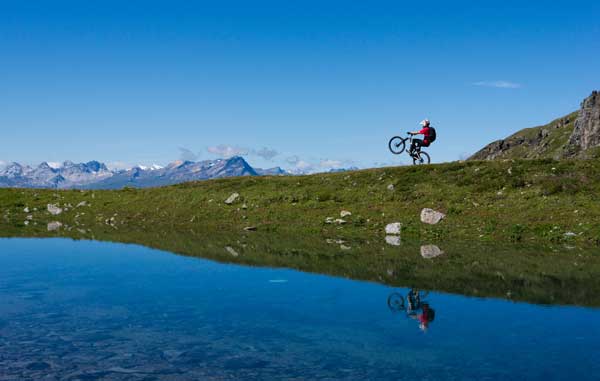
(291, 83)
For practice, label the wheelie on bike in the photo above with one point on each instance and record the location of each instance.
(397, 144)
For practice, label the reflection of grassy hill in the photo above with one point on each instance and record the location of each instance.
(537, 201)
(525, 273)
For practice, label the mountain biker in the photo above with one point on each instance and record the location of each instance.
(426, 132)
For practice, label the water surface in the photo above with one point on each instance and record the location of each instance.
(84, 310)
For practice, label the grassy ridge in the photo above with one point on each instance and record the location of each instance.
(543, 201)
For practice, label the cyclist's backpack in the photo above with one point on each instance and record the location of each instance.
(432, 135)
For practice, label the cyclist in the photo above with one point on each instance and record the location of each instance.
(427, 133)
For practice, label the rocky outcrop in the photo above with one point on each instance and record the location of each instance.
(586, 133)
(573, 135)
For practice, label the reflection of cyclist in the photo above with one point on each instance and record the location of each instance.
(428, 133)
(426, 316)
(413, 301)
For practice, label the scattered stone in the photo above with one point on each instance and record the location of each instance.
(393, 240)
(570, 234)
(244, 206)
(250, 228)
(231, 251)
(29, 217)
(54, 209)
(344, 247)
(231, 199)
(54, 225)
(25, 223)
(345, 213)
(430, 216)
(82, 203)
(430, 251)
(390, 187)
(26, 210)
(393, 228)
(339, 221)
(329, 220)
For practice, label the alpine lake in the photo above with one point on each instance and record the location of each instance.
(175, 306)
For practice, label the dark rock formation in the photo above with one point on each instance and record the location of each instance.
(586, 133)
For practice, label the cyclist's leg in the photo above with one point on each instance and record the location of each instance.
(416, 145)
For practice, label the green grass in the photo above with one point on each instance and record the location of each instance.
(528, 230)
(484, 201)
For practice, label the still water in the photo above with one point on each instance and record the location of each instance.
(84, 310)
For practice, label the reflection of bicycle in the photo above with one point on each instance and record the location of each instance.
(414, 305)
(397, 145)
(396, 302)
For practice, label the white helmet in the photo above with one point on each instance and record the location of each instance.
(424, 122)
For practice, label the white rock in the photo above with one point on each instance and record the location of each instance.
(29, 217)
(26, 210)
(231, 199)
(231, 251)
(329, 220)
(54, 225)
(82, 203)
(430, 251)
(344, 247)
(54, 209)
(26, 223)
(345, 213)
(390, 187)
(393, 228)
(393, 240)
(430, 216)
(339, 221)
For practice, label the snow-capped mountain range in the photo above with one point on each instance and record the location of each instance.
(96, 175)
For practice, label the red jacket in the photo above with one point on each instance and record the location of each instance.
(425, 133)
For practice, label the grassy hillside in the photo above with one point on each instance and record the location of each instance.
(502, 201)
(547, 141)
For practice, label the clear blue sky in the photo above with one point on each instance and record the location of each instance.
(137, 81)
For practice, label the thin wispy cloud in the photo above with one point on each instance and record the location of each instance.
(227, 151)
(187, 154)
(498, 84)
(266, 153)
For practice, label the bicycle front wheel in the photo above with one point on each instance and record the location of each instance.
(395, 302)
(421, 158)
(397, 145)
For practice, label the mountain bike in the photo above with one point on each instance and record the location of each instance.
(397, 145)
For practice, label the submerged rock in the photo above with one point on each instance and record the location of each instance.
(430, 251)
(231, 251)
(393, 240)
(430, 216)
(54, 225)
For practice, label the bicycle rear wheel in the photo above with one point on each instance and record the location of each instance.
(421, 158)
(397, 145)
